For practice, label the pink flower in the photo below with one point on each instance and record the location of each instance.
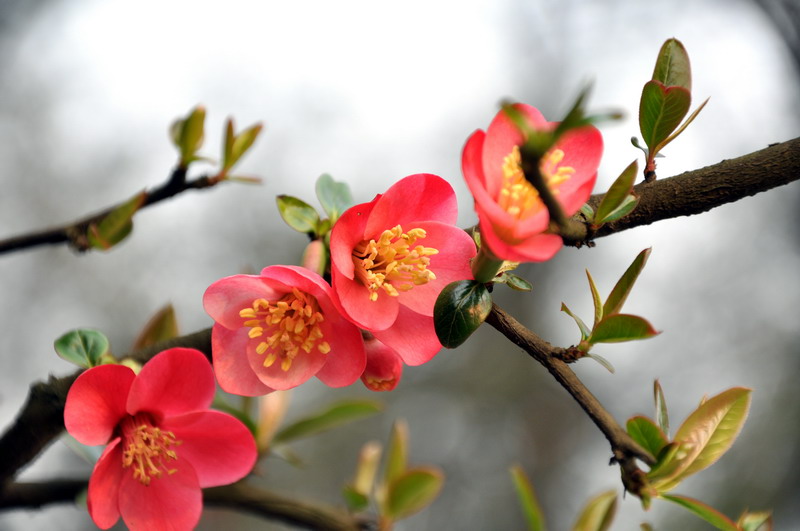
(384, 366)
(163, 443)
(278, 329)
(513, 219)
(391, 257)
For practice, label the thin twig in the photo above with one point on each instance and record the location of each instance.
(74, 234)
(624, 449)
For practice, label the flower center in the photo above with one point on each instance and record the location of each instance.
(287, 326)
(147, 448)
(393, 263)
(518, 196)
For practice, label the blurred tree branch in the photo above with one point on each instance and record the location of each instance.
(238, 496)
(74, 234)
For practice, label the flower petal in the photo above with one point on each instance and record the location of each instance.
(583, 149)
(220, 448)
(96, 403)
(412, 337)
(452, 262)
(225, 298)
(103, 494)
(416, 197)
(347, 232)
(175, 381)
(347, 358)
(365, 313)
(231, 364)
(171, 502)
(537, 248)
(384, 367)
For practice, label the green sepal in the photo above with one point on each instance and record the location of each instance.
(334, 196)
(412, 491)
(460, 309)
(298, 214)
(704, 511)
(116, 225)
(84, 348)
(334, 416)
(598, 513)
(617, 195)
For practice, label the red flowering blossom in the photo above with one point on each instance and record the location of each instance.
(163, 443)
(512, 216)
(391, 257)
(278, 329)
(384, 366)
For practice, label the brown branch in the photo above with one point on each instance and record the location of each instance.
(698, 191)
(239, 496)
(74, 234)
(624, 449)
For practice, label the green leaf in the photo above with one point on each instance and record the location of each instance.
(680, 130)
(356, 501)
(628, 204)
(83, 347)
(758, 521)
(397, 451)
(227, 149)
(187, 134)
(704, 511)
(710, 431)
(602, 361)
(662, 415)
(621, 327)
(413, 491)
(672, 66)
(617, 194)
(527, 499)
(115, 225)
(460, 309)
(661, 110)
(161, 326)
(513, 281)
(598, 303)
(598, 514)
(298, 214)
(645, 432)
(337, 415)
(242, 143)
(581, 325)
(334, 196)
(624, 285)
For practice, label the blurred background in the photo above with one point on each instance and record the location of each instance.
(372, 91)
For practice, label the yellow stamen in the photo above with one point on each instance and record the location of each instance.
(517, 196)
(148, 448)
(287, 326)
(393, 263)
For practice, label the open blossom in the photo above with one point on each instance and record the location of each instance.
(278, 329)
(163, 443)
(391, 257)
(512, 216)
